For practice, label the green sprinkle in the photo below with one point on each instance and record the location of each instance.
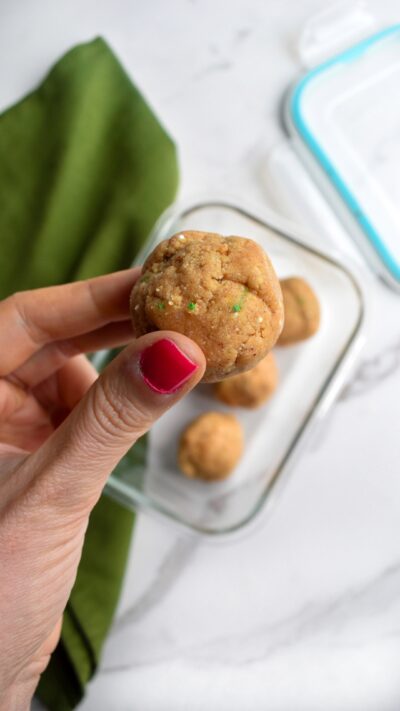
(161, 306)
(191, 306)
(238, 307)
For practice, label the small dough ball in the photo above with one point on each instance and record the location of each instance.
(211, 446)
(250, 389)
(302, 311)
(220, 291)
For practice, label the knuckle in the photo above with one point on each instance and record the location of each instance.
(108, 414)
(19, 301)
(3, 401)
(114, 414)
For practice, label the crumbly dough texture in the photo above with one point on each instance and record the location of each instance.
(220, 291)
(302, 311)
(252, 388)
(211, 446)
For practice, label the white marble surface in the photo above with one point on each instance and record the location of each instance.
(303, 614)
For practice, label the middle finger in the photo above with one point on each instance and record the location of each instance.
(54, 356)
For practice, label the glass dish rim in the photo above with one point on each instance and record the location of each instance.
(137, 500)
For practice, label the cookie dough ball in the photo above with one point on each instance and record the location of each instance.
(211, 446)
(252, 388)
(302, 311)
(220, 291)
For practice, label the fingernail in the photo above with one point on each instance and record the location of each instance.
(165, 367)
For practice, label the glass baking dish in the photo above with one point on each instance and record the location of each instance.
(311, 374)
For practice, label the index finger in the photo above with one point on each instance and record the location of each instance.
(31, 319)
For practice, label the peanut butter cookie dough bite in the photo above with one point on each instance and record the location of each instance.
(211, 446)
(302, 311)
(252, 388)
(220, 291)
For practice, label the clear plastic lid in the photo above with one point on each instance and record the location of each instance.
(344, 117)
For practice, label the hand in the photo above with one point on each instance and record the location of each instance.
(62, 431)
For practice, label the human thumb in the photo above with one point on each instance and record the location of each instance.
(144, 381)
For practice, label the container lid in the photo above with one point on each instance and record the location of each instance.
(344, 116)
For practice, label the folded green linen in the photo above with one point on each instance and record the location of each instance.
(85, 170)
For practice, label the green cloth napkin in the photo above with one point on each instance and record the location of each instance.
(85, 170)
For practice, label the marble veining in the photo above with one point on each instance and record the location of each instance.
(166, 576)
(374, 598)
(373, 371)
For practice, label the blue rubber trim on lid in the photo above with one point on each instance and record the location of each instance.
(351, 201)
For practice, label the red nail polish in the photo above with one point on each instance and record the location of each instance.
(165, 367)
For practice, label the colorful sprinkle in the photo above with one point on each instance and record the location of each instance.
(191, 306)
(238, 307)
(161, 306)
(182, 237)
